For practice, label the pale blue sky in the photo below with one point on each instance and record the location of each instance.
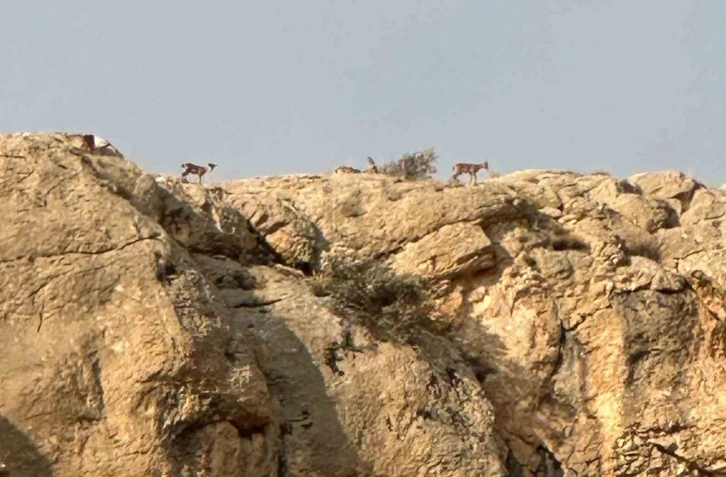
(302, 86)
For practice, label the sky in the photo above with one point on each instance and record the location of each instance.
(302, 87)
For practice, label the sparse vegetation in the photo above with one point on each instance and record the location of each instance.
(601, 172)
(392, 307)
(569, 242)
(411, 166)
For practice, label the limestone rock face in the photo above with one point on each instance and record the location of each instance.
(151, 327)
(116, 357)
(146, 328)
(591, 309)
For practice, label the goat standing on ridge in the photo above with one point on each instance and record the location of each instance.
(190, 168)
(471, 169)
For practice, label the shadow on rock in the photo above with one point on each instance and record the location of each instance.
(19, 456)
(528, 415)
(314, 441)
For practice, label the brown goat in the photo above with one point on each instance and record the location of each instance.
(190, 168)
(471, 169)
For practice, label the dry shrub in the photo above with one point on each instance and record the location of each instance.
(417, 165)
(601, 172)
(392, 307)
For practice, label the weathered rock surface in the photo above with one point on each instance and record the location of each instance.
(149, 327)
(591, 309)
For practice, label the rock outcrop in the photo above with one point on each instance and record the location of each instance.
(150, 327)
(591, 309)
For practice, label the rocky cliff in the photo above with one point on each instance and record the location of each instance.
(574, 324)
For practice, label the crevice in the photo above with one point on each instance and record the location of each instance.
(542, 463)
(230, 251)
(686, 197)
(96, 370)
(282, 468)
(692, 466)
(332, 359)
(560, 359)
(305, 267)
(33, 256)
(347, 343)
(514, 467)
(548, 464)
(263, 246)
(257, 304)
(247, 432)
(165, 270)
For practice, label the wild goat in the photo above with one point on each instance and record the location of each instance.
(347, 170)
(471, 169)
(99, 146)
(373, 169)
(190, 168)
